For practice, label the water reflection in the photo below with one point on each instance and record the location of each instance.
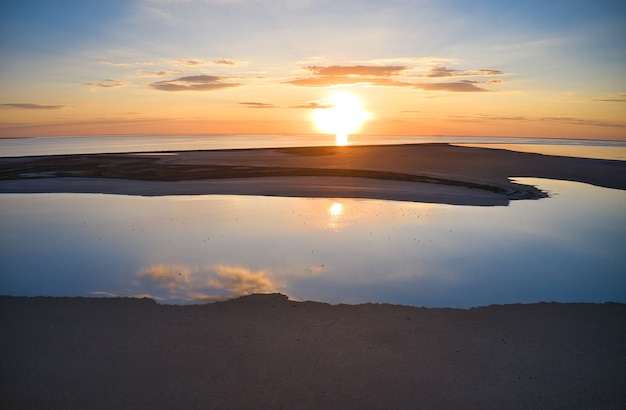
(335, 211)
(182, 249)
(189, 283)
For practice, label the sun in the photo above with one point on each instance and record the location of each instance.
(344, 116)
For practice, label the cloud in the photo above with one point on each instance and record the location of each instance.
(189, 62)
(329, 81)
(560, 120)
(342, 75)
(397, 75)
(441, 71)
(225, 61)
(194, 83)
(258, 105)
(583, 121)
(316, 104)
(108, 83)
(356, 70)
(198, 62)
(29, 106)
(444, 71)
(488, 72)
(461, 86)
(126, 65)
(619, 98)
(158, 73)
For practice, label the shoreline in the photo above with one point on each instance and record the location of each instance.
(266, 351)
(436, 173)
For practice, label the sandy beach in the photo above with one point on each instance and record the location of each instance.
(438, 173)
(265, 351)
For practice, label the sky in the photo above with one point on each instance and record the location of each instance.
(527, 68)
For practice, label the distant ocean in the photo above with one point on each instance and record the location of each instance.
(17, 147)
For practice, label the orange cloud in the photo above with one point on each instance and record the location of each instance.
(328, 81)
(258, 105)
(189, 62)
(614, 98)
(108, 83)
(194, 83)
(314, 105)
(461, 86)
(29, 106)
(386, 76)
(356, 70)
(444, 71)
(158, 73)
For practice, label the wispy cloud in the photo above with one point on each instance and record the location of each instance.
(189, 62)
(225, 61)
(397, 75)
(583, 121)
(619, 98)
(199, 62)
(560, 120)
(461, 86)
(258, 105)
(158, 73)
(330, 81)
(342, 75)
(108, 83)
(356, 70)
(127, 65)
(316, 104)
(30, 106)
(194, 83)
(444, 71)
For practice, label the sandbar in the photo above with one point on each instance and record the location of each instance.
(269, 352)
(438, 173)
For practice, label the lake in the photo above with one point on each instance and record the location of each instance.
(192, 249)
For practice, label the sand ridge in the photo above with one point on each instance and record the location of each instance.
(438, 173)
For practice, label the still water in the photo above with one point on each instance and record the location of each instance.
(15, 147)
(190, 249)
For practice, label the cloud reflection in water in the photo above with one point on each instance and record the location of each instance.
(218, 282)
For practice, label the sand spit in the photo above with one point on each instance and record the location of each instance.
(439, 173)
(265, 351)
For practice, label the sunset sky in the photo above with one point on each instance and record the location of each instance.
(420, 67)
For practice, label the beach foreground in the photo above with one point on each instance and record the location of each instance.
(265, 351)
(435, 173)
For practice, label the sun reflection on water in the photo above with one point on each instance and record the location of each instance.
(335, 210)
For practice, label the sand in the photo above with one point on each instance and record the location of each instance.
(438, 173)
(267, 352)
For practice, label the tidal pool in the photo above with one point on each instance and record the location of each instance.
(191, 249)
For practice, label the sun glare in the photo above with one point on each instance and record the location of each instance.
(344, 116)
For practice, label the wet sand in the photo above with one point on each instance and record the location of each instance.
(438, 173)
(267, 352)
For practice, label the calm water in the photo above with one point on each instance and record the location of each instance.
(186, 249)
(13, 147)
